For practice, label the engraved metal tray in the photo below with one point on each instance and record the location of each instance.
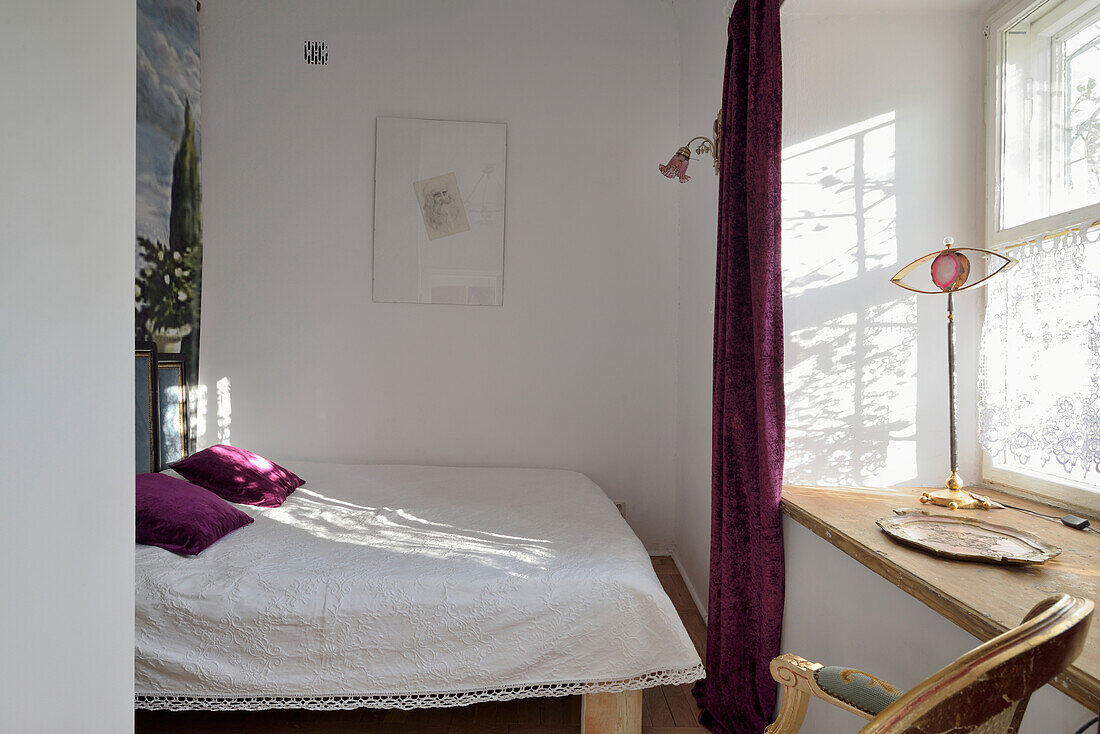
(967, 539)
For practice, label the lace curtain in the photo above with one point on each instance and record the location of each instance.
(1039, 378)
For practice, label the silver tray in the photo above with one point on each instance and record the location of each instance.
(967, 539)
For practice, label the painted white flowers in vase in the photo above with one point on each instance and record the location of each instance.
(167, 284)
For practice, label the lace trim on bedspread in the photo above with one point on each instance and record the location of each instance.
(415, 700)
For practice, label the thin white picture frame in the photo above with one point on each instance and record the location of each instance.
(439, 211)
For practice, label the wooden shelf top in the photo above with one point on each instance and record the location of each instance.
(984, 599)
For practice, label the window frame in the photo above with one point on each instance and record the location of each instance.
(1069, 494)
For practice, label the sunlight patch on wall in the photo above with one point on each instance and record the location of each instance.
(838, 206)
(851, 398)
(225, 410)
(198, 413)
(223, 413)
(851, 353)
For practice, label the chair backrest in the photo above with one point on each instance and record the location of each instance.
(987, 690)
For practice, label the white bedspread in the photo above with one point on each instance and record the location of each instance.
(406, 586)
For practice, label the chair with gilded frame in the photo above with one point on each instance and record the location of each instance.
(985, 691)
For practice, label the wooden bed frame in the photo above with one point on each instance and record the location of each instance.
(611, 713)
(601, 713)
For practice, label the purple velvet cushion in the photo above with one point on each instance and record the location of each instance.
(181, 517)
(239, 476)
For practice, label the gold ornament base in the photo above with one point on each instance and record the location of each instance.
(957, 498)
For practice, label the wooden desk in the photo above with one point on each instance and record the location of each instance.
(983, 599)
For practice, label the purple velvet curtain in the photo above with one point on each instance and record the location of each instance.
(746, 561)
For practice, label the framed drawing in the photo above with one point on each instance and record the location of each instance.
(439, 211)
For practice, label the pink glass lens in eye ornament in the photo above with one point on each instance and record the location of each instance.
(950, 270)
(677, 166)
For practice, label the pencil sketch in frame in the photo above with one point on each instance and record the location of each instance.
(439, 211)
(441, 206)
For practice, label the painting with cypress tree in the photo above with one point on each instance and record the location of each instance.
(169, 198)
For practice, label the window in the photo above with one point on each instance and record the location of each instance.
(1050, 129)
(1039, 381)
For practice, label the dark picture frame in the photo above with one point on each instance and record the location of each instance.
(146, 408)
(172, 383)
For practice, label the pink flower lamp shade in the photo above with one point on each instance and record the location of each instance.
(677, 165)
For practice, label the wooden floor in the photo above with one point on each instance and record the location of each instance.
(665, 710)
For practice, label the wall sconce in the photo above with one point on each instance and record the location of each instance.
(677, 165)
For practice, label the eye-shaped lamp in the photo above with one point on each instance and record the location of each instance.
(950, 272)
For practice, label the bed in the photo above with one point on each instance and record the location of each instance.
(409, 587)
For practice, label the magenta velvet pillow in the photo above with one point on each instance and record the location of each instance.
(181, 517)
(239, 476)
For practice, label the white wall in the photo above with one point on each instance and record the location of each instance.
(702, 31)
(577, 368)
(886, 104)
(882, 157)
(66, 374)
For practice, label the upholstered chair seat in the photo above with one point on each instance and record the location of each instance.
(856, 688)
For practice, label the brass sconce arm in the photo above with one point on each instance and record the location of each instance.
(707, 146)
(677, 166)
